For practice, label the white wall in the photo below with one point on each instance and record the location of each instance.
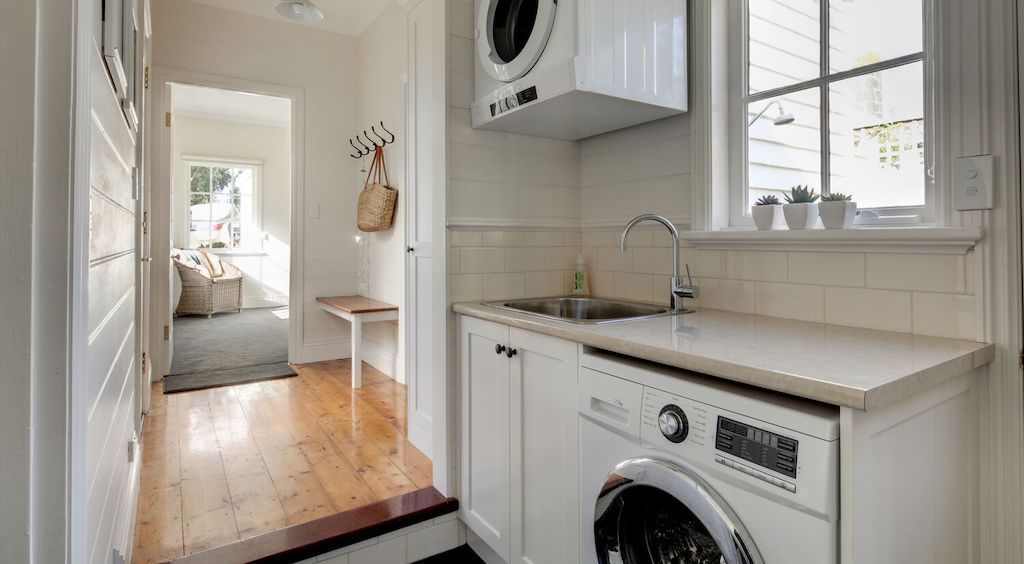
(501, 178)
(200, 38)
(17, 55)
(381, 85)
(265, 282)
(35, 180)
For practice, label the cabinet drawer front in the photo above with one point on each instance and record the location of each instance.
(611, 401)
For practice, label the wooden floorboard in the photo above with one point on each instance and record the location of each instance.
(225, 464)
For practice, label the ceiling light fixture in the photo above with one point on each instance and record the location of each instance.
(299, 11)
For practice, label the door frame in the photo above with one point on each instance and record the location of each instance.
(160, 167)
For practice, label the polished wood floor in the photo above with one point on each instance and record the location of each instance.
(224, 464)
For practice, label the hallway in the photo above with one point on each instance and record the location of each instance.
(224, 464)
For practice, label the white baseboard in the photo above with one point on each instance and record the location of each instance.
(321, 351)
(383, 360)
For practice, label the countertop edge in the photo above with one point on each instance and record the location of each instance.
(783, 382)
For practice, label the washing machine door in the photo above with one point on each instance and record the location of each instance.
(511, 35)
(652, 512)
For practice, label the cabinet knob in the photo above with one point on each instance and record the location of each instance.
(498, 349)
(510, 352)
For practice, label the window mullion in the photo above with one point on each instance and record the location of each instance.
(823, 91)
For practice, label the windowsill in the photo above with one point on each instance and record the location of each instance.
(924, 239)
(234, 253)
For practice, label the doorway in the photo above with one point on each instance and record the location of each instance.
(230, 229)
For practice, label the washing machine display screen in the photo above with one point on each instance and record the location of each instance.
(761, 447)
(512, 27)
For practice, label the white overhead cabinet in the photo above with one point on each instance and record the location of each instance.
(519, 442)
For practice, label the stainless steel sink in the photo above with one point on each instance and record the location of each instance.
(585, 310)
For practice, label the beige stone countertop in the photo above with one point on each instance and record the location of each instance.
(860, 368)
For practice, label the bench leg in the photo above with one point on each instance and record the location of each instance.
(357, 353)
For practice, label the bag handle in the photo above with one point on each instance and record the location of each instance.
(374, 169)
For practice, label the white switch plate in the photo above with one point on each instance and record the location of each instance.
(972, 183)
(313, 211)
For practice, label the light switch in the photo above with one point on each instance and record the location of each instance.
(313, 211)
(972, 183)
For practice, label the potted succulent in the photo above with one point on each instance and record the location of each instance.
(766, 211)
(800, 210)
(837, 211)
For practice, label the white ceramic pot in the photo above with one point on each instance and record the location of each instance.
(801, 216)
(837, 215)
(767, 217)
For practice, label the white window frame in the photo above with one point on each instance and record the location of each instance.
(739, 97)
(216, 162)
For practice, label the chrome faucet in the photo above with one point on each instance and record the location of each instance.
(677, 290)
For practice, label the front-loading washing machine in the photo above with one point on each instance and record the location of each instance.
(569, 69)
(680, 468)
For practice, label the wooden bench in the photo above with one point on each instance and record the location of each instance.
(358, 310)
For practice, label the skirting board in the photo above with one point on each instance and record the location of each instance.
(323, 350)
(336, 350)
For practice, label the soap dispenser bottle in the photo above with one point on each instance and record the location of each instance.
(580, 285)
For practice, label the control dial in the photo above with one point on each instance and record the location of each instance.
(673, 423)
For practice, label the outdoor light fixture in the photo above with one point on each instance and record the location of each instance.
(782, 119)
(299, 11)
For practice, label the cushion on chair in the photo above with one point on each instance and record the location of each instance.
(213, 263)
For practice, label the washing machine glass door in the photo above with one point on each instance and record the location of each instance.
(512, 34)
(652, 512)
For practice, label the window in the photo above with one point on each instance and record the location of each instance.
(831, 94)
(223, 206)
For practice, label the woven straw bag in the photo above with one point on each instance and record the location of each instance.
(377, 200)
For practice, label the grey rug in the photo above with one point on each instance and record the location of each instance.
(231, 348)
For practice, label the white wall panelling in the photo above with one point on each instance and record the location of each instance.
(262, 53)
(381, 83)
(408, 544)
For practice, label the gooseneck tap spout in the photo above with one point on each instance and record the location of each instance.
(678, 290)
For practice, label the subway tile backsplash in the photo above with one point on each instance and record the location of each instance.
(926, 294)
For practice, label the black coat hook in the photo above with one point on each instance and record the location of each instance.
(377, 135)
(366, 150)
(392, 140)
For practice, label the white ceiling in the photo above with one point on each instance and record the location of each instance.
(225, 105)
(349, 17)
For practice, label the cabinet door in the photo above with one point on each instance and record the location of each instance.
(485, 490)
(545, 449)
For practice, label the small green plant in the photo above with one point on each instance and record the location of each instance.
(801, 195)
(767, 201)
(837, 197)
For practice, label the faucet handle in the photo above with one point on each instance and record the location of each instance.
(687, 290)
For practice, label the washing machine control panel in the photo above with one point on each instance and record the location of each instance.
(521, 98)
(763, 448)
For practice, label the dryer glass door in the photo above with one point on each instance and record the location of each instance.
(652, 512)
(512, 35)
(512, 26)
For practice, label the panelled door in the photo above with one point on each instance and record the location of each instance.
(426, 296)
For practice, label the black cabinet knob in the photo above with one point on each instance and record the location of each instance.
(510, 352)
(498, 349)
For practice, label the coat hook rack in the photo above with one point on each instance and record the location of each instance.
(375, 140)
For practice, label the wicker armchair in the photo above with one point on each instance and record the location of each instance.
(205, 294)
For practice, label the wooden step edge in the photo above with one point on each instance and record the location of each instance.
(306, 540)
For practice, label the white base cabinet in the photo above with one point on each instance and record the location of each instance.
(519, 442)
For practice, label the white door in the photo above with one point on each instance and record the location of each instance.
(143, 240)
(484, 490)
(545, 449)
(108, 392)
(426, 295)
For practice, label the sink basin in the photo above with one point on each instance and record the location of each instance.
(585, 310)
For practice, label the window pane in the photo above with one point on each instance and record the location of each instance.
(782, 155)
(877, 137)
(223, 178)
(244, 180)
(200, 179)
(862, 32)
(784, 43)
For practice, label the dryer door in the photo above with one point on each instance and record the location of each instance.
(511, 35)
(651, 511)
